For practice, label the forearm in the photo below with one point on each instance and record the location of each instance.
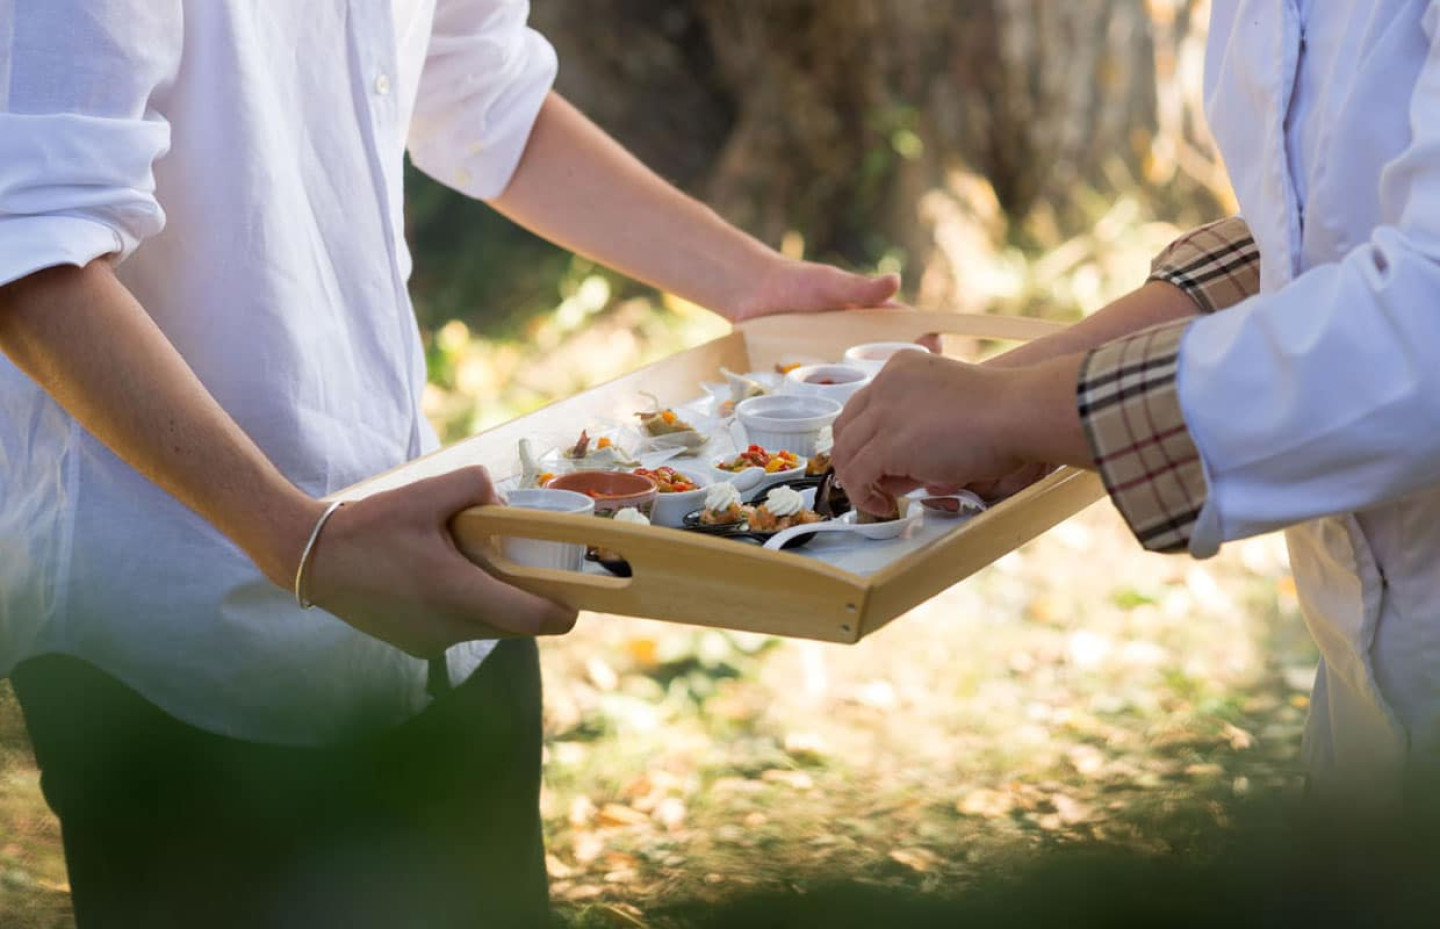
(579, 188)
(84, 339)
(1152, 304)
(1037, 415)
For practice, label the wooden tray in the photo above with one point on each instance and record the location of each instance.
(691, 578)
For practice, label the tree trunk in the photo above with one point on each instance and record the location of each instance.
(837, 117)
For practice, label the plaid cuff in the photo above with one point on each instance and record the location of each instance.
(1217, 265)
(1131, 413)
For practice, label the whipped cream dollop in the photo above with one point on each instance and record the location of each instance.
(825, 441)
(784, 501)
(632, 516)
(721, 496)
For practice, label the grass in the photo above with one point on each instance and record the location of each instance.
(1040, 708)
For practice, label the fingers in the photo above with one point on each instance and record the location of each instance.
(842, 290)
(864, 480)
(851, 441)
(487, 607)
(448, 494)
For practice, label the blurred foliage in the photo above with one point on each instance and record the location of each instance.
(1020, 157)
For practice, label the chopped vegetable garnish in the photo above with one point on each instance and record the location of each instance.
(668, 480)
(757, 457)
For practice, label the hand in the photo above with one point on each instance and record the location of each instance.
(801, 287)
(1010, 484)
(388, 566)
(929, 421)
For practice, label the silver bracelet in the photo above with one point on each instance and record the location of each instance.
(300, 597)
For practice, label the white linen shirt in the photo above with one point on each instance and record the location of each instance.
(1349, 315)
(1316, 404)
(245, 162)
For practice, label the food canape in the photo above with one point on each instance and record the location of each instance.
(666, 429)
(723, 506)
(598, 453)
(783, 508)
(819, 463)
(741, 388)
(663, 422)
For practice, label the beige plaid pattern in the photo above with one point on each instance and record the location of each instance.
(1127, 392)
(1217, 265)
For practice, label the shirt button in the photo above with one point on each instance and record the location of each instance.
(382, 84)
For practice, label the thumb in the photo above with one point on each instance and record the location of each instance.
(857, 290)
(448, 494)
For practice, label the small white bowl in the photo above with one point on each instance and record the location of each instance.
(872, 356)
(752, 480)
(835, 381)
(538, 553)
(789, 421)
(670, 509)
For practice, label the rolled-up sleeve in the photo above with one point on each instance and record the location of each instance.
(1128, 397)
(485, 78)
(1217, 265)
(1324, 397)
(81, 128)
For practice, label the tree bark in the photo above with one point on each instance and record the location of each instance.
(835, 117)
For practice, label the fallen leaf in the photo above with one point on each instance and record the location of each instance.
(916, 859)
(1239, 739)
(601, 674)
(987, 803)
(670, 813)
(622, 914)
(1070, 810)
(582, 811)
(1086, 759)
(587, 847)
(643, 651)
(585, 892)
(615, 814)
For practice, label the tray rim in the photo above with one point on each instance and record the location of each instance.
(847, 606)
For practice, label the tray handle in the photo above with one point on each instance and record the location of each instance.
(744, 587)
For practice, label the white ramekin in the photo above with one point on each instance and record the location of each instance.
(538, 553)
(872, 356)
(789, 421)
(845, 380)
(670, 509)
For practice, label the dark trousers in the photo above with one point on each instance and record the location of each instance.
(431, 824)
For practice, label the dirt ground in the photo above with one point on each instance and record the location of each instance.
(1077, 694)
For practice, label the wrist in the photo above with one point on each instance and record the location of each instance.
(276, 541)
(1041, 402)
(745, 276)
